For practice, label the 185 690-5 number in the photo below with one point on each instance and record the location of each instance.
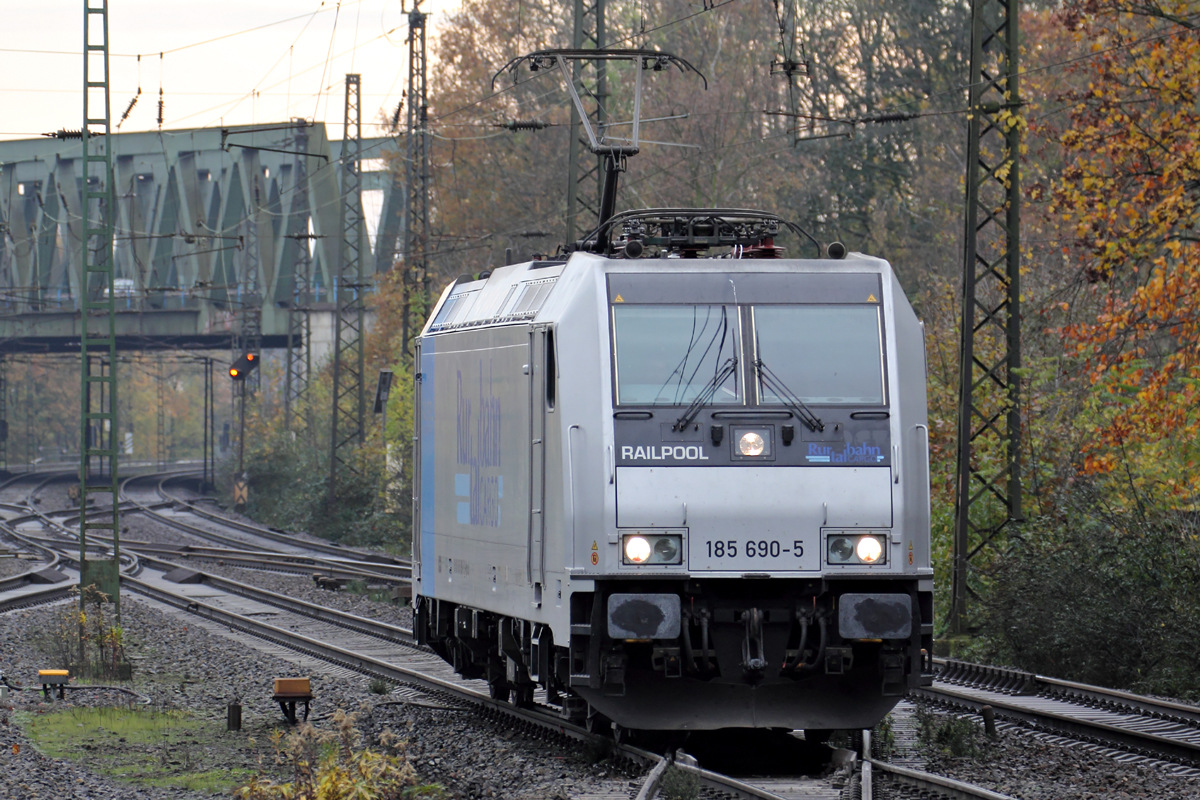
(753, 548)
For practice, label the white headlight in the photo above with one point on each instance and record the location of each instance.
(637, 549)
(751, 444)
(869, 549)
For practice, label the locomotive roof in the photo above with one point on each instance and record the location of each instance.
(517, 293)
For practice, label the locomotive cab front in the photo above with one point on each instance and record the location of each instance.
(768, 551)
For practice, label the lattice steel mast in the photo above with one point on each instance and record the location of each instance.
(585, 170)
(416, 207)
(98, 340)
(160, 428)
(349, 405)
(299, 339)
(989, 422)
(3, 413)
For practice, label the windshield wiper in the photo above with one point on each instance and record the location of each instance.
(771, 381)
(706, 394)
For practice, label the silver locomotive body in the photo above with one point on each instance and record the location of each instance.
(678, 494)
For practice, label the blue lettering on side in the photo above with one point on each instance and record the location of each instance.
(848, 454)
(428, 469)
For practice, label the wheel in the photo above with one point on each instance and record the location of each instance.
(498, 690)
(596, 722)
(522, 696)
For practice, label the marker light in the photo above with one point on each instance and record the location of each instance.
(666, 549)
(751, 444)
(233, 373)
(637, 549)
(840, 549)
(869, 549)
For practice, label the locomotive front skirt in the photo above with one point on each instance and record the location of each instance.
(678, 494)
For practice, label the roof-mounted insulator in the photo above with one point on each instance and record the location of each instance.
(65, 134)
(522, 125)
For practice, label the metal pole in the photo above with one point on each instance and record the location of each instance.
(204, 413)
(582, 166)
(98, 341)
(416, 206)
(347, 429)
(988, 498)
(241, 393)
(299, 357)
(212, 421)
(3, 413)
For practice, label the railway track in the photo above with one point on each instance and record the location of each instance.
(386, 651)
(271, 534)
(236, 552)
(1108, 720)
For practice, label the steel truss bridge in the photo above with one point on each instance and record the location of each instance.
(221, 235)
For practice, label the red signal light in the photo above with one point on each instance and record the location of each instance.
(243, 365)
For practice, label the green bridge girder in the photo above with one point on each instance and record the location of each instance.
(190, 206)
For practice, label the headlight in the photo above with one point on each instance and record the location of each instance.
(637, 549)
(856, 548)
(869, 549)
(752, 442)
(652, 548)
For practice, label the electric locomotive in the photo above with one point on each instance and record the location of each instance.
(678, 480)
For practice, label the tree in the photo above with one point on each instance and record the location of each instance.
(1131, 192)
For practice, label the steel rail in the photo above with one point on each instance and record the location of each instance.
(272, 562)
(49, 555)
(347, 658)
(331, 653)
(1011, 681)
(343, 619)
(50, 594)
(1138, 742)
(371, 666)
(1131, 735)
(275, 535)
(928, 782)
(241, 550)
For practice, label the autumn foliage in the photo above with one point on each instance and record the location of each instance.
(1130, 192)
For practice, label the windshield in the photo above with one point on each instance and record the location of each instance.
(667, 354)
(825, 354)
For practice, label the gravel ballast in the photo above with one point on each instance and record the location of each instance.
(1019, 764)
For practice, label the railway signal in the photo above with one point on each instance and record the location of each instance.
(243, 366)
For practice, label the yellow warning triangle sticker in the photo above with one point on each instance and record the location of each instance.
(593, 545)
(619, 299)
(871, 299)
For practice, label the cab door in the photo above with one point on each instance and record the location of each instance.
(541, 398)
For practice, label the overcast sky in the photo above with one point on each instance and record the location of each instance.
(295, 68)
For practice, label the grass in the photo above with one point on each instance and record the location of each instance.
(135, 745)
(951, 736)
